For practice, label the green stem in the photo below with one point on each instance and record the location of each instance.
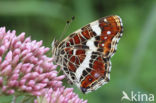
(14, 99)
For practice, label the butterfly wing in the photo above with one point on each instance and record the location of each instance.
(86, 53)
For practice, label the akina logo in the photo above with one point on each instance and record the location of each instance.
(137, 96)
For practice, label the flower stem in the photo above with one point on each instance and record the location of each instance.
(14, 99)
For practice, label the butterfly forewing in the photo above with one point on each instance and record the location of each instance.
(85, 54)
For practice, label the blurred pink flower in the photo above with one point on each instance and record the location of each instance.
(24, 65)
(25, 68)
(61, 95)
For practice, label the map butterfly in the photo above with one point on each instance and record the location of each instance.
(84, 55)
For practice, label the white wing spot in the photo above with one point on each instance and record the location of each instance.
(105, 20)
(105, 37)
(96, 75)
(74, 51)
(95, 27)
(91, 45)
(108, 32)
(103, 44)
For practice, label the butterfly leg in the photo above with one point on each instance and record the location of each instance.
(69, 81)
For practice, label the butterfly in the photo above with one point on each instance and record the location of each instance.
(84, 55)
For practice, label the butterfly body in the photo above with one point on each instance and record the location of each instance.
(84, 56)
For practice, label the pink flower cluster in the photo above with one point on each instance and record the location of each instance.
(24, 65)
(25, 68)
(61, 95)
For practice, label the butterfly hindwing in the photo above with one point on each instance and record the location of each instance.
(86, 68)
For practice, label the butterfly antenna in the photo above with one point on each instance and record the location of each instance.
(66, 27)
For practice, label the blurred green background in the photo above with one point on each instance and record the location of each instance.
(133, 65)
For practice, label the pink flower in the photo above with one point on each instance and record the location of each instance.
(61, 95)
(24, 65)
(24, 68)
